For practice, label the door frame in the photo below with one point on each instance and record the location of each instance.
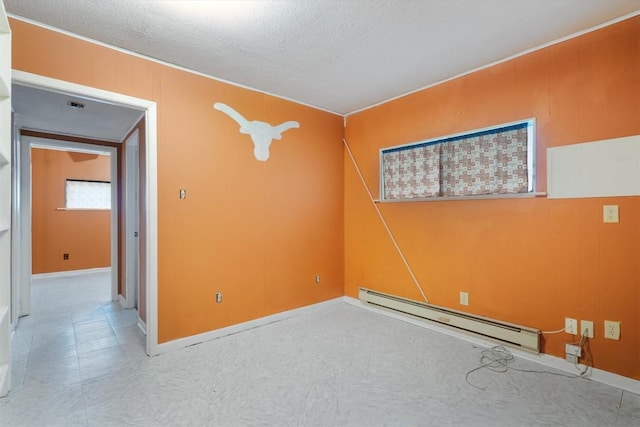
(150, 201)
(26, 144)
(131, 223)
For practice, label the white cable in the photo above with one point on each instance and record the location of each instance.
(498, 359)
(586, 351)
(384, 222)
(555, 332)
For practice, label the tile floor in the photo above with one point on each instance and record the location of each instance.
(78, 360)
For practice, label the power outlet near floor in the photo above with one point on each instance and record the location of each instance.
(610, 214)
(611, 330)
(573, 352)
(218, 297)
(65, 257)
(464, 298)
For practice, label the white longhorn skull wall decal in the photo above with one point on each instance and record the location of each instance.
(261, 133)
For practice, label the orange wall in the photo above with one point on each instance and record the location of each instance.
(527, 261)
(84, 235)
(258, 232)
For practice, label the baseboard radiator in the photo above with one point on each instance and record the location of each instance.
(509, 334)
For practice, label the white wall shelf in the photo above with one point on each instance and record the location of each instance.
(5, 202)
(4, 379)
(3, 159)
(5, 356)
(607, 168)
(5, 92)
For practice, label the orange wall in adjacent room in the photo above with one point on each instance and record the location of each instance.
(84, 235)
(258, 232)
(528, 261)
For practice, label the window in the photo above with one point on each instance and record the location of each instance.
(83, 194)
(496, 160)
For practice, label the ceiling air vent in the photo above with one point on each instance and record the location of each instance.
(74, 104)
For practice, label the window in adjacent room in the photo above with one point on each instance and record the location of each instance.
(491, 161)
(86, 194)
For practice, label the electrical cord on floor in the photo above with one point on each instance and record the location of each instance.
(584, 349)
(498, 358)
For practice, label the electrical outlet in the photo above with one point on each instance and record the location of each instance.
(586, 328)
(572, 358)
(464, 298)
(318, 278)
(218, 296)
(571, 326)
(610, 214)
(65, 257)
(611, 330)
(573, 352)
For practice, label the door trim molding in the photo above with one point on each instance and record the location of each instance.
(67, 273)
(130, 220)
(151, 178)
(29, 142)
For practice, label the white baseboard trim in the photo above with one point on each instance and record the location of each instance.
(142, 326)
(605, 377)
(124, 302)
(234, 329)
(70, 273)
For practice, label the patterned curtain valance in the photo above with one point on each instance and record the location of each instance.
(491, 161)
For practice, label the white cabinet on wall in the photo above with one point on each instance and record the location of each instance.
(5, 202)
(607, 168)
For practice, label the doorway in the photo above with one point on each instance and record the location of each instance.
(53, 222)
(148, 179)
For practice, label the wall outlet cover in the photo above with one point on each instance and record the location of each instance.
(573, 349)
(611, 330)
(610, 214)
(586, 328)
(571, 326)
(572, 358)
(464, 298)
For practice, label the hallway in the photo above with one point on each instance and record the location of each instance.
(74, 334)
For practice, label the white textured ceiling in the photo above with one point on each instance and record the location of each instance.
(336, 55)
